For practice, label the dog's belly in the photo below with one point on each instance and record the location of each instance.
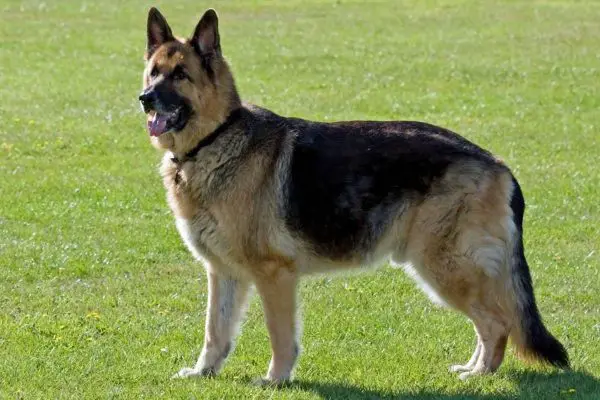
(388, 243)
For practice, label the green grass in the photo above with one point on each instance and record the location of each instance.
(99, 298)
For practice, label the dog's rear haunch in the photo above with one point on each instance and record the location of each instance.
(262, 200)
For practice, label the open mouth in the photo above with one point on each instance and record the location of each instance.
(161, 122)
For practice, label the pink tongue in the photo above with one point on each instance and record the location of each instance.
(158, 125)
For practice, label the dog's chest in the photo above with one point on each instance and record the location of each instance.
(208, 242)
(193, 199)
(188, 185)
(199, 234)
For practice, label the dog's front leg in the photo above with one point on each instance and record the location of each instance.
(227, 299)
(278, 295)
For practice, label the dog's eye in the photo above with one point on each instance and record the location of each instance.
(154, 72)
(179, 74)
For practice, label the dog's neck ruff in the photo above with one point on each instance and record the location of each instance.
(210, 138)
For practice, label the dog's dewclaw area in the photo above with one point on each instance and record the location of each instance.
(99, 297)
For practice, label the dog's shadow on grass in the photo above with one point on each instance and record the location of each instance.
(533, 385)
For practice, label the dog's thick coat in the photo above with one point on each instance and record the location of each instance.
(262, 200)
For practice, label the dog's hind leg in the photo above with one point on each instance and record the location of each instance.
(478, 296)
(459, 245)
(227, 299)
(493, 329)
(463, 284)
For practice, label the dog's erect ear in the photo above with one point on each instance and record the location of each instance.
(206, 35)
(159, 31)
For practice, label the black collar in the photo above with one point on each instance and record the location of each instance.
(233, 117)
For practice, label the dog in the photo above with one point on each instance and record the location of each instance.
(262, 200)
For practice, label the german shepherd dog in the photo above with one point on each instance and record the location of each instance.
(262, 200)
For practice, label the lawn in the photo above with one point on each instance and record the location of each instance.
(100, 299)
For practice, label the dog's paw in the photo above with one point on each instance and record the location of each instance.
(208, 372)
(274, 383)
(466, 375)
(459, 368)
(472, 373)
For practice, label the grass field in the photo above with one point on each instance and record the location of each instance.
(99, 298)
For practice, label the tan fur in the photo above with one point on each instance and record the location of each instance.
(460, 245)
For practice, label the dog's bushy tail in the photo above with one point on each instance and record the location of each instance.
(529, 335)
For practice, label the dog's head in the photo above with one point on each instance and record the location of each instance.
(188, 89)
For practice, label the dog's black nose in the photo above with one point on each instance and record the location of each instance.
(147, 99)
(146, 96)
